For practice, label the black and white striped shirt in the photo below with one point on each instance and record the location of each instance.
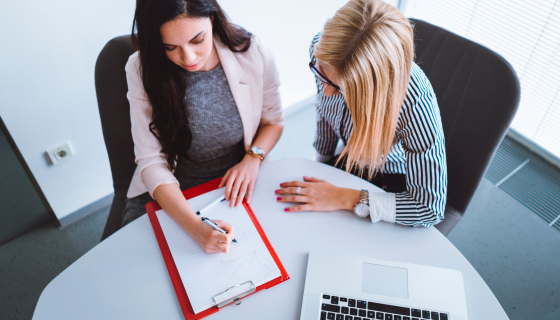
(419, 153)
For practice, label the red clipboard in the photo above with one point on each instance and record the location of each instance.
(153, 206)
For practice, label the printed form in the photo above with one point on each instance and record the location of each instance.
(206, 275)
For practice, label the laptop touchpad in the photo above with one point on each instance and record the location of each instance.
(385, 280)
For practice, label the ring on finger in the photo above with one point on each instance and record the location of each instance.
(298, 191)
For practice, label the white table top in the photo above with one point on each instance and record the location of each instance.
(125, 277)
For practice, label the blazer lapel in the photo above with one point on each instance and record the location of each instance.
(241, 91)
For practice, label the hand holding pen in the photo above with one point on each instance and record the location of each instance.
(211, 240)
(215, 226)
(219, 241)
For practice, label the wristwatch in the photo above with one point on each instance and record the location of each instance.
(257, 153)
(361, 209)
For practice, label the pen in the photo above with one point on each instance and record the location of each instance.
(214, 226)
(220, 199)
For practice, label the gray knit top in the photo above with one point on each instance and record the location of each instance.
(217, 130)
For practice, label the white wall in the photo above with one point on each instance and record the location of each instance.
(287, 28)
(47, 91)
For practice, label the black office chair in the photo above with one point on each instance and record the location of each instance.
(114, 110)
(478, 94)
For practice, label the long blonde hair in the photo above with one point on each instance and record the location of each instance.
(370, 44)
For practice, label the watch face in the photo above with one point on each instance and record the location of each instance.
(257, 150)
(361, 210)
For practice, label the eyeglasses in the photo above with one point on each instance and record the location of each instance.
(321, 76)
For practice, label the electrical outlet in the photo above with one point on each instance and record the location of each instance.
(60, 153)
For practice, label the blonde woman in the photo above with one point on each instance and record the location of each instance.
(373, 97)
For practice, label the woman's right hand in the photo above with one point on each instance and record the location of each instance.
(172, 201)
(210, 240)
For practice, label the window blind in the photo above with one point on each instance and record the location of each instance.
(527, 35)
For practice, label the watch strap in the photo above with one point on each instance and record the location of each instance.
(364, 196)
(256, 155)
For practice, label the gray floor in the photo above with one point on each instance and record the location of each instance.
(515, 252)
(30, 262)
(297, 138)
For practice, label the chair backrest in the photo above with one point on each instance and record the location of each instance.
(114, 110)
(478, 94)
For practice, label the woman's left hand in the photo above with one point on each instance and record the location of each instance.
(317, 195)
(240, 180)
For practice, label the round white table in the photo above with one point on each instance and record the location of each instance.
(124, 277)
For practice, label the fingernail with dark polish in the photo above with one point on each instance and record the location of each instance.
(279, 198)
(286, 209)
(306, 177)
(277, 191)
(281, 184)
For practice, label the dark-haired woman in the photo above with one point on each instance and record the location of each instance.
(204, 103)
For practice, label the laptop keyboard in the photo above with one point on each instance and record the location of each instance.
(344, 308)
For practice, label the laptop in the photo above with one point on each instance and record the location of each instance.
(348, 287)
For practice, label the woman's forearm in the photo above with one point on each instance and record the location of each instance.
(172, 201)
(267, 136)
(349, 199)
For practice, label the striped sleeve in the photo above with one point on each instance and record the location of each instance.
(326, 138)
(421, 132)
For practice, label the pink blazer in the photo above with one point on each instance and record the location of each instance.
(253, 80)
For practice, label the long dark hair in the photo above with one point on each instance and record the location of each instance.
(163, 80)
